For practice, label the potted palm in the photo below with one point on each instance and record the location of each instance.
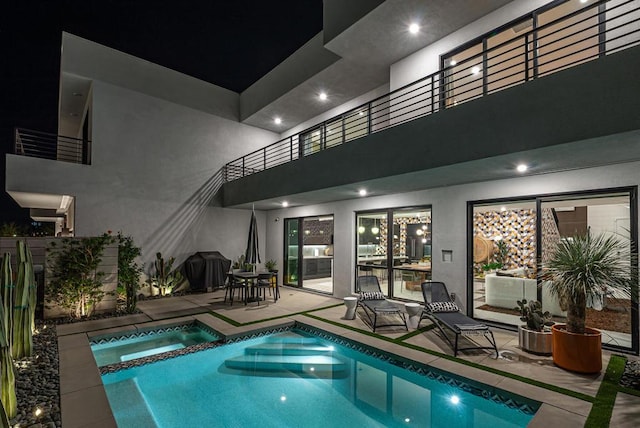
(581, 269)
(534, 336)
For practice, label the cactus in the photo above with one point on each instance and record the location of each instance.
(165, 279)
(23, 302)
(7, 376)
(531, 313)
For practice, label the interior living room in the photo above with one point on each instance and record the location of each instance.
(507, 256)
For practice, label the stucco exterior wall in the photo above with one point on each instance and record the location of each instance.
(449, 217)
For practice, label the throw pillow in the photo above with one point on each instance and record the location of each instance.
(371, 295)
(442, 307)
(502, 273)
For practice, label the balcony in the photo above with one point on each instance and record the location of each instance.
(555, 84)
(44, 145)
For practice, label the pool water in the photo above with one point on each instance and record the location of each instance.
(292, 379)
(116, 350)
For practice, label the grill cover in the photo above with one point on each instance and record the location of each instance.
(206, 269)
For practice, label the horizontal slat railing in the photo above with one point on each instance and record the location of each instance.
(599, 29)
(44, 145)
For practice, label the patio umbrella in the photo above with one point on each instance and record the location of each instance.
(252, 253)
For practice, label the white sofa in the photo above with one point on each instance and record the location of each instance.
(505, 291)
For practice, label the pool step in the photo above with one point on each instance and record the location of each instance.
(288, 349)
(291, 337)
(127, 395)
(294, 363)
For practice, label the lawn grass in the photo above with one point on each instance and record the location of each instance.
(600, 415)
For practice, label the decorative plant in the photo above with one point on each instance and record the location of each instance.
(7, 375)
(239, 263)
(502, 254)
(247, 267)
(10, 229)
(270, 265)
(531, 313)
(128, 271)
(77, 283)
(583, 266)
(164, 278)
(491, 266)
(24, 303)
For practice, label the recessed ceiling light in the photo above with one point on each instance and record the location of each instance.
(521, 168)
(361, 113)
(453, 62)
(414, 28)
(322, 96)
(583, 1)
(362, 192)
(285, 204)
(475, 70)
(277, 121)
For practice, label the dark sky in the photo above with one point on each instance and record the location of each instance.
(229, 43)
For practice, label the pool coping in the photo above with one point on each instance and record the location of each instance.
(84, 402)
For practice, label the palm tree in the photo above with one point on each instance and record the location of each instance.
(583, 267)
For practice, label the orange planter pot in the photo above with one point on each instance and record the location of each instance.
(580, 353)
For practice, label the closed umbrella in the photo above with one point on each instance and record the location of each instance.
(252, 253)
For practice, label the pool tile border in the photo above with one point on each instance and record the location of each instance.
(523, 404)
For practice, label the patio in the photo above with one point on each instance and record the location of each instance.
(567, 398)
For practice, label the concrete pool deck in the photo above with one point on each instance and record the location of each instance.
(84, 402)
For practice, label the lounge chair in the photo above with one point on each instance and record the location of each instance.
(373, 302)
(443, 312)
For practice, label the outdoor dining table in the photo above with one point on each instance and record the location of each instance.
(249, 278)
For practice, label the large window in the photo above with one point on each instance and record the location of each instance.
(395, 246)
(511, 239)
(533, 45)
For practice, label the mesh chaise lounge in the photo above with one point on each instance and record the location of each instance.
(373, 302)
(443, 312)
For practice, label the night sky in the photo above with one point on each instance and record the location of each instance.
(228, 43)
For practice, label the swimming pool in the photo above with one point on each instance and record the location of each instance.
(279, 380)
(139, 344)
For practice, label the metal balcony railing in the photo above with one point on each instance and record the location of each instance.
(598, 29)
(44, 145)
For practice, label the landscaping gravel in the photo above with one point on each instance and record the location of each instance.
(631, 376)
(38, 382)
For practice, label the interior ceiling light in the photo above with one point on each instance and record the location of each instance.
(277, 121)
(362, 192)
(73, 114)
(323, 96)
(453, 62)
(475, 70)
(414, 28)
(285, 204)
(77, 94)
(375, 230)
(521, 168)
(361, 229)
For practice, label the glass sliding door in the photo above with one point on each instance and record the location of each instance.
(395, 246)
(291, 252)
(317, 253)
(504, 259)
(512, 239)
(371, 246)
(309, 253)
(411, 252)
(608, 214)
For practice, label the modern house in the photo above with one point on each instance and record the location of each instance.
(483, 134)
